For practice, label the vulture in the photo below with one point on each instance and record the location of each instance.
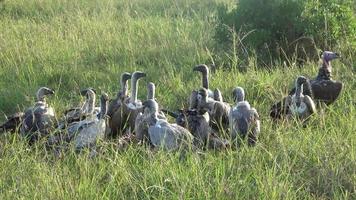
(163, 134)
(216, 95)
(243, 119)
(79, 113)
(323, 88)
(116, 111)
(142, 120)
(204, 70)
(85, 115)
(298, 104)
(90, 131)
(39, 120)
(73, 119)
(198, 124)
(218, 111)
(134, 105)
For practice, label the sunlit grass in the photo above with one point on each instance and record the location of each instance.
(70, 45)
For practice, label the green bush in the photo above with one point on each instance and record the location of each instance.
(277, 29)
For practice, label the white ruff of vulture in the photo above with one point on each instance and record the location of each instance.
(90, 131)
(39, 120)
(117, 111)
(244, 120)
(163, 134)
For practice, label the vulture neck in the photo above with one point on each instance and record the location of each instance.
(298, 93)
(205, 80)
(124, 87)
(103, 108)
(91, 104)
(134, 86)
(151, 93)
(324, 70)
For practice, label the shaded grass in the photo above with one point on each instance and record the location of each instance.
(69, 45)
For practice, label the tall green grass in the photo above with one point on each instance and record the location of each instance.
(70, 45)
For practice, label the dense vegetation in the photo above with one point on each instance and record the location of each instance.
(286, 29)
(68, 45)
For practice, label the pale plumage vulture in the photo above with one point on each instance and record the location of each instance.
(244, 119)
(40, 120)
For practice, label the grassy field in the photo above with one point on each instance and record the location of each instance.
(69, 45)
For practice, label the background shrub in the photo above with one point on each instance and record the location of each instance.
(276, 29)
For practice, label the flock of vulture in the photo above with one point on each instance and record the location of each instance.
(208, 123)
